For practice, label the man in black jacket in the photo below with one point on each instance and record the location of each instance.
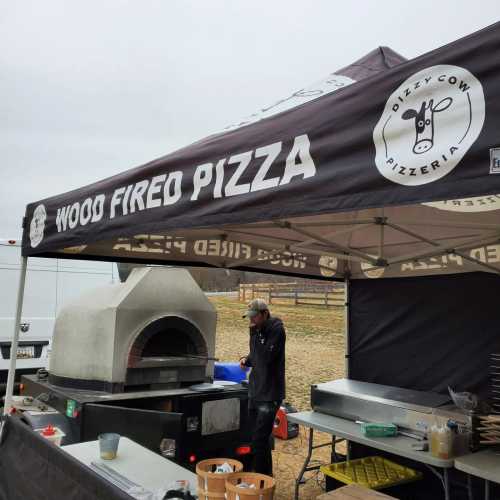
(267, 379)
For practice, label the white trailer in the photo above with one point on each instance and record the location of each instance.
(50, 284)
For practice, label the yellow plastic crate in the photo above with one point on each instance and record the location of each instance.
(375, 473)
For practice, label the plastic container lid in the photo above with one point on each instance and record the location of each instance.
(48, 431)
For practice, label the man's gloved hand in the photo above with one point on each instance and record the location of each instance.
(243, 360)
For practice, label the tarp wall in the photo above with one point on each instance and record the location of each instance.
(425, 333)
(33, 468)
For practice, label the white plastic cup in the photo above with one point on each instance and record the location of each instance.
(108, 445)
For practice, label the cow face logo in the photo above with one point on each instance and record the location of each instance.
(429, 123)
(37, 225)
(424, 123)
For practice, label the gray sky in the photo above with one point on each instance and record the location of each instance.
(90, 88)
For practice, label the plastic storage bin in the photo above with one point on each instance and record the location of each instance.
(229, 371)
(52, 434)
(375, 473)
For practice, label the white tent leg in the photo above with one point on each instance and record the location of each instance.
(15, 337)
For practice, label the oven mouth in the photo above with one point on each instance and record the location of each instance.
(168, 342)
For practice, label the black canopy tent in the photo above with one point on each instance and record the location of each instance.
(391, 175)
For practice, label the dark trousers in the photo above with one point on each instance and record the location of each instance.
(261, 417)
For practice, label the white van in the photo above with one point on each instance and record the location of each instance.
(50, 283)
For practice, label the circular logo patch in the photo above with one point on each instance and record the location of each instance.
(328, 265)
(429, 122)
(370, 271)
(475, 204)
(37, 225)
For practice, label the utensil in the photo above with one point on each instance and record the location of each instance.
(113, 477)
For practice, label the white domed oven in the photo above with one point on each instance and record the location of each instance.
(154, 331)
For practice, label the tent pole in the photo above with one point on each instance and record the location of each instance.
(15, 337)
(346, 326)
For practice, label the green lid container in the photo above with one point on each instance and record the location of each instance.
(373, 429)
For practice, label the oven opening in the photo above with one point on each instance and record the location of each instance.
(170, 337)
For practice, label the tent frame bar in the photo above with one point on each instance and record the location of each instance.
(408, 232)
(15, 337)
(333, 245)
(442, 249)
(458, 225)
(347, 349)
(272, 225)
(304, 243)
(301, 246)
(477, 261)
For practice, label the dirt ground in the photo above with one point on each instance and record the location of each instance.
(314, 353)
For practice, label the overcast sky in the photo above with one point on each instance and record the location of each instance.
(93, 87)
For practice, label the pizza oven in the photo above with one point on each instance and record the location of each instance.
(154, 331)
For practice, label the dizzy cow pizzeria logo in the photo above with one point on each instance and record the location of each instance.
(429, 122)
(37, 225)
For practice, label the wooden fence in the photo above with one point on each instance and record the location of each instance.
(308, 294)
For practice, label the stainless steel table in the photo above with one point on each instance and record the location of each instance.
(483, 464)
(136, 463)
(346, 429)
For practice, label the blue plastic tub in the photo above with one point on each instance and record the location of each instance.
(229, 371)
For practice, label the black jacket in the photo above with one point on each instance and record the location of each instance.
(267, 359)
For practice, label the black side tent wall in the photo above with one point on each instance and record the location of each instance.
(31, 467)
(425, 333)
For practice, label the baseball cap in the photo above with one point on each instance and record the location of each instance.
(255, 307)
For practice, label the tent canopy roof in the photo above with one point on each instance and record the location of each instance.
(344, 177)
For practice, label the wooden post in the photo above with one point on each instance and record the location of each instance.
(326, 298)
(253, 291)
(270, 294)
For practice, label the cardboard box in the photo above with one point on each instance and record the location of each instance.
(354, 492)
